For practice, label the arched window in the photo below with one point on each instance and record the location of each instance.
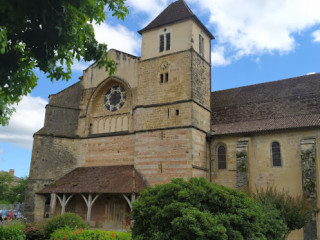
(276, 154)
(222, 161)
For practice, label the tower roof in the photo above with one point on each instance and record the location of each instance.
(175, 12)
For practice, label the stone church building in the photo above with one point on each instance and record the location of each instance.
(105, 138)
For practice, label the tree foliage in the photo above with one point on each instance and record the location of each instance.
(295, 212)
(10, 191)
(197, 209)
(49, 35)
(6, 181)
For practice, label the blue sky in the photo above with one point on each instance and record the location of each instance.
(256, 41)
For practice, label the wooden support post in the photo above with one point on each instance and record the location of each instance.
(89, 202)
(64, 201)
(133, 199)
(53, 203)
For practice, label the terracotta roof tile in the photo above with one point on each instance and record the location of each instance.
(176, 11)
(103, 179)
(289, 103)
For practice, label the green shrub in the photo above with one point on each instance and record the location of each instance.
(295, 212)
(274, 227)
(13, 230)
(196, 209)
(85, 234)
(70, 220)
(34, 231)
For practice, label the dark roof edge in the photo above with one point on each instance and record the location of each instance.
(262, 83)
(194, 17)
(265, 130)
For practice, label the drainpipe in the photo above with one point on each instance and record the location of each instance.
(209, 138)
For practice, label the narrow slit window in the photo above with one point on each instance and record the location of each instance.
(276, 154)
(168, 36)
(167, 77)
(201, 45)
(222, 161)
(177, 112)
(161, 78)
(161, 43)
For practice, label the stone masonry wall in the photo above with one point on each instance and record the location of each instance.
(201, 72)
(162, 116)
(106, 151)
(163, 155)
(52, 158)
(151, 91)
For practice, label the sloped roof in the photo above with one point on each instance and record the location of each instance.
(102, 179)
(284, 104)
(175, 12)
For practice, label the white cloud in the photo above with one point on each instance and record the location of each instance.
(151, 7)
(252, 27)
(28, 118)
(80, 65)
(218, 57)
(316, 36)
(118, 37)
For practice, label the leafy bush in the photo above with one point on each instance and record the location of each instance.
(34, 231)
(295, 212)
(197, 209)
(70, 220)
(274, 227)
(80, 234)
(12, 231)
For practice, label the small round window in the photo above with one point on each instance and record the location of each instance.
(115, 98)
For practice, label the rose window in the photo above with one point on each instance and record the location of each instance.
(115, 98)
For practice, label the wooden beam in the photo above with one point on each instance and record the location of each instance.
(64, 201)
(133, 199)
(89, 202)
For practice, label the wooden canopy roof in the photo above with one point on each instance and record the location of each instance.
(102, 179)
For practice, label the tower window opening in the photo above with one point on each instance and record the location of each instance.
(168, 41)
(276, 154)
(177, 112)
(167, 77)
(161, 78)
(222, 161)
(161, 43)
(164, 42)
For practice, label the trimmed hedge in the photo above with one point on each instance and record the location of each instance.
(85, 234)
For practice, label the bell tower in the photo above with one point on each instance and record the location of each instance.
(173, 93)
